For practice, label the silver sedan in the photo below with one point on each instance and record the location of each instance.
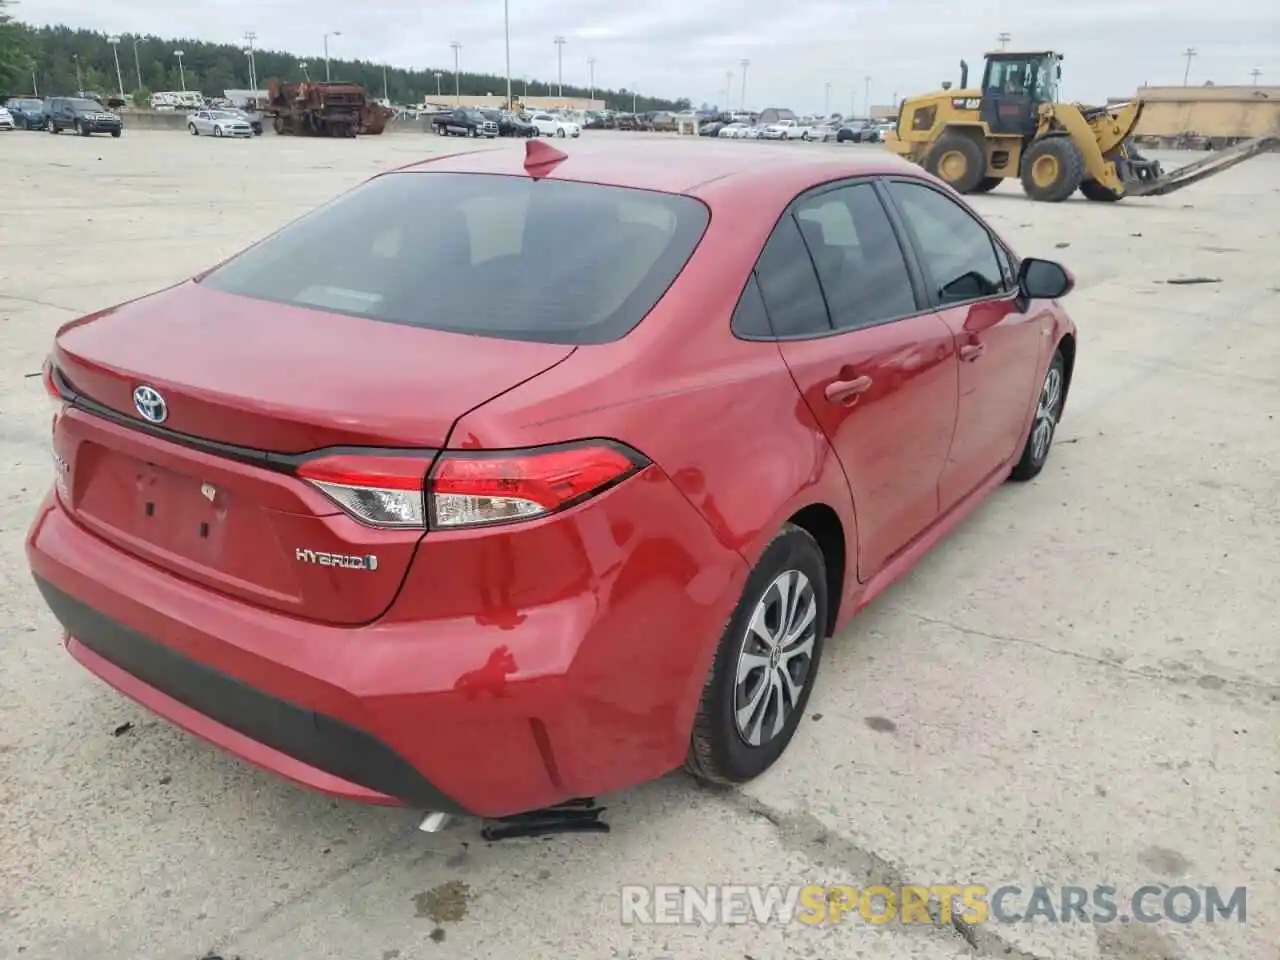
(218, 123)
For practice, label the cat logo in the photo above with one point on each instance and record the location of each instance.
(967, 103)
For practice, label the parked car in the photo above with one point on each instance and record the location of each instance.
(27, 113)
(218, 123)
(785, 130)
(464, 122)
(820, 133)
(662, 121)
(734, 131)
(552, 126)
(253, 119)
(80, 114)
(586, 523)
(855, 131)
(509, 125)
(6, 120)
(627, 121)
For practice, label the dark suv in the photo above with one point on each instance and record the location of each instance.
(81, 115)
(27, 112)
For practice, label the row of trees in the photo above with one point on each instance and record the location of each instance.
(49, 60)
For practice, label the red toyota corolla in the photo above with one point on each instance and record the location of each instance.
(508, 479)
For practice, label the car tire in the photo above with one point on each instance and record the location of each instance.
(560, 132)
(81, 129)
(192, 128)
(50, 126)
(217, 131)
(721, 750)
(115, 134)
(1049, 403)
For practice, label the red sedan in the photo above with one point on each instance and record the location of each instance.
(503, 480)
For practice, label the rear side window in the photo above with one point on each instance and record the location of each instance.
(789, 285)
(860, 264)
(956, 248)
(501, 256)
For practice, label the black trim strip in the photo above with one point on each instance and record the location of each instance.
(313, 738)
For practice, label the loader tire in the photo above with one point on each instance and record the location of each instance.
(987, 184)
(1093, 190)
(1052, 169)
(958, 161)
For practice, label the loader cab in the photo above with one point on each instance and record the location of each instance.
(1013, 87)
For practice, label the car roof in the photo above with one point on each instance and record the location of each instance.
(681, 166)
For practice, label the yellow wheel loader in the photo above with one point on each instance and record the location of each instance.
(1014, 126)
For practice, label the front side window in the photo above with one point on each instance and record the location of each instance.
(501, 256)
(956, 248)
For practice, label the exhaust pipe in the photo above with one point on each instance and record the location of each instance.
(964, 75)
(434, 822)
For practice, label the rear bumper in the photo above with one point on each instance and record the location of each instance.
(446, 703)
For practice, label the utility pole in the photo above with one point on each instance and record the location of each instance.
(826, 110)
(80, 77)
(115, 52)
(249, 38)
(744, 63)
(868, 83)
(385, 96)
(560, 42)
(182, 74)
(591, 67)
(1255, 73)
(457, 72)
(728, 91)
(506, 34)
(137, 64)
(332, 33)
(1003, 39)
(1186, 74)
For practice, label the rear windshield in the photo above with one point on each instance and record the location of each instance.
(500, 256)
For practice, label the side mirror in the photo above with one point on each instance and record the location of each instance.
(1044, 279)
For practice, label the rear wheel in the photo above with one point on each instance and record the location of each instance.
(192, 128)
(765, 666)
(560, 131)
(987, 184)
(958, 161)
(1052, 169)
(51, 126)
(1093, 190)
(1053, 394)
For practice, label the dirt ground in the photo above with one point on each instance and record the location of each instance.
(1081, 686)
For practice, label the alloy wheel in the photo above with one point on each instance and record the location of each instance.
(775, 658)
(1046, 414)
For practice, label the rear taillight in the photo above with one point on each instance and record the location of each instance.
(379, 491)
(466, 488)
(56, 399)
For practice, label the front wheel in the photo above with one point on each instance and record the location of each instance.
(560, 132)
(217, 131)
(1052, 169)
(116, 134)
(1053, 394)
(765, 666)
(192, 128)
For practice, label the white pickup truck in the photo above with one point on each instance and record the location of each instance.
(785, 130)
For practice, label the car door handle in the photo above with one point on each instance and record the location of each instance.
(846, 391)
(972, 351)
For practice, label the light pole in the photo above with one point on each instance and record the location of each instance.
(744, 63)
(506, 39)
(115, 53)
(591, 67)
(182, 74)
(306, 74)
(79, 78)
(728, 91)
(331, 33)
(1186, 74)
(1255, 73)
(633, 103)
(826, 110)
(438, 76)
(249, 37)
(35, 87)
(137, 64)
(1003, 39)
(457, 72)
(560, 42)
(867, 80)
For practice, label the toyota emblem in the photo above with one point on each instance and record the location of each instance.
(150, 405)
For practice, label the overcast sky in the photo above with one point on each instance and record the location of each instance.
(686, 47)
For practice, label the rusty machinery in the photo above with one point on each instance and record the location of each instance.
(313, 109)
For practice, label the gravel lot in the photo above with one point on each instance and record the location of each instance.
(1079, 687)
